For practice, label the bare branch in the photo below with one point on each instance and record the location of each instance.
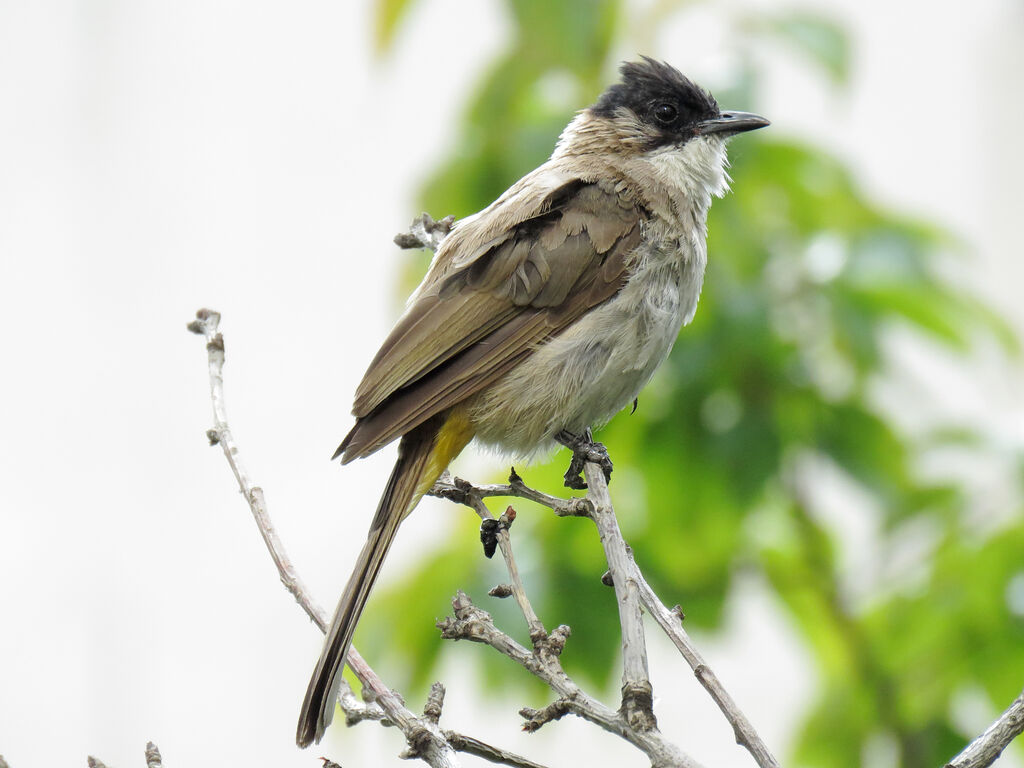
(985, 749)
(472, 746)
(636, 696)
(425, 738)
(424, 232)
(538, 634)
(455, 489)
(470, 622)
(671, 622)
(435, 703)
(637, 692)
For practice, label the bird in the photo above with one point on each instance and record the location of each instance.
(542, 315)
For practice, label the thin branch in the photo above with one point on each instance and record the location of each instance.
(985, 749)
(455, 489)
(470, 622)
(538, 633)
(424, 232)
(671, 622)
(464, 492)
(472, 746)
(637, 692)
(425, 738)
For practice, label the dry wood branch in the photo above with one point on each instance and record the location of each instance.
(424, 737)
(635, 721)
(424, 232)
(470, 622)
(476, 747)
(456, 489)
(153, 759)
(987, 748)
(624, 572)
(538, 634)
(671, 623)
(637, 692)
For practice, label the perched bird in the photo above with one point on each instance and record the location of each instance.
(543, 314)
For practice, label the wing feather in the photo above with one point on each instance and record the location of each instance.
(477, 321)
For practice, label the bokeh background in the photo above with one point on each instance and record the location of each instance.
(827, 475)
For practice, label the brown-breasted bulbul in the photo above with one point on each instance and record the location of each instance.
(542, 315)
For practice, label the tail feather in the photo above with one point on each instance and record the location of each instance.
(422, 455)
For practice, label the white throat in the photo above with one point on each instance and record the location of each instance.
(697, 169)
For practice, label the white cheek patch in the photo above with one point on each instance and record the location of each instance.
(698, 167)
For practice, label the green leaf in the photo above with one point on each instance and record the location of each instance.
(386, 18)
(819, 38)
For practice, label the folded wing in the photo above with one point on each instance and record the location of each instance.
(496, 304)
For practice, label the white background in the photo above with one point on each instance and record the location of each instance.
(256, 158)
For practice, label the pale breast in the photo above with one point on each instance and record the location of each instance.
(597, 366)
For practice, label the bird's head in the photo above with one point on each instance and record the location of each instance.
(660, 117)
(655, 106)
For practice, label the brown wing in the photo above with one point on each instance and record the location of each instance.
(477, 321)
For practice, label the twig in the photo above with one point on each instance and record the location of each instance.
(538, 634)
(424, 232)
(464, 492)
(153, 759)
(472, 746)
(455, 489)
(637, 692)
(472, 623)
(671, 622)
(985, 749)
(425, 738)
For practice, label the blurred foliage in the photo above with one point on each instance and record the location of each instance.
(769, 386)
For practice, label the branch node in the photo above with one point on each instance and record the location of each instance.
(555, 642)
(419, 739)
(578, 506)
(216, 344)
(425, 232)
(638, 705)
(206, 320)
(435, 702)
(677, 611)
(468, 623)
(536, 718)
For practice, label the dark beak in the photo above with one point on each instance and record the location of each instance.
(732, 122)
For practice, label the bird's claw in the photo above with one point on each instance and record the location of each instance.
(584, 449)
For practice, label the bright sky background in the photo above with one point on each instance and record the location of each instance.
(253, 157)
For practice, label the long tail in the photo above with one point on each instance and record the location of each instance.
(423, 455)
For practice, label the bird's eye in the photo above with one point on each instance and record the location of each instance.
(665, 112)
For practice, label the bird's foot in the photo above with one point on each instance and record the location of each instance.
(583, 449)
